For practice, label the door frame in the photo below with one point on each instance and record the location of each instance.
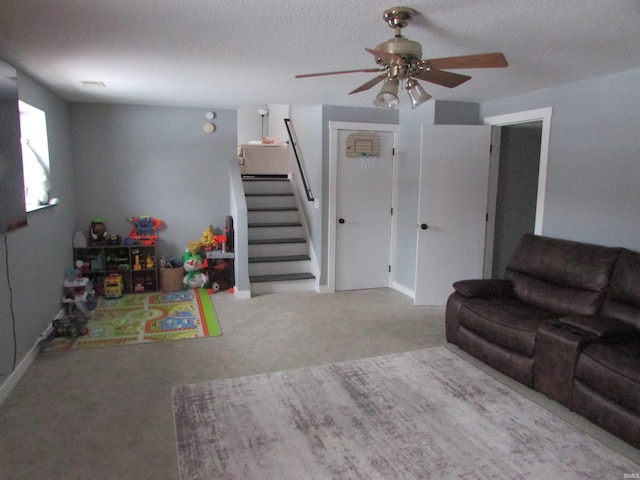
(334, 127)
(540, 114)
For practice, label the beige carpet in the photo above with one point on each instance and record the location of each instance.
(423, 414)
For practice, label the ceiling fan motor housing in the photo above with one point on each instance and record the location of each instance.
(409, 50)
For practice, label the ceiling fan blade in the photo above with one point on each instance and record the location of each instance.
(392, 58)
(481, 60)
(363, 70)
(439, 77)
(369, 84)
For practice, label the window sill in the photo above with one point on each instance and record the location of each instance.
(52, 203)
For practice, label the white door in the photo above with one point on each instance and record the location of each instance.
(363, 215)
(454, 180)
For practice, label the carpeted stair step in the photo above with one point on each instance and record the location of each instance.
(284, 277)
(266, 241)
(270, 247)
(274, 224)
(279, 264)
(270, 200)
(279, 258)
(275, 230)
(272, 215)
(266, 185)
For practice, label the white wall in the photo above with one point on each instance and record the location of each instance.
(307, 123)
(409, 185)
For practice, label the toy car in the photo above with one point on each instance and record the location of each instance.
(113, 286)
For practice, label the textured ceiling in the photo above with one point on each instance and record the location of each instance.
(214, 53)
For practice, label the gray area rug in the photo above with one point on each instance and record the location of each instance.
(427, 414)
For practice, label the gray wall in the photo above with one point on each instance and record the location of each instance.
(156, 161)
(593, 176)
(39, 255)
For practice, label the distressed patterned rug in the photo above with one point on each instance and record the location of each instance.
(424, 414)
(147, 318)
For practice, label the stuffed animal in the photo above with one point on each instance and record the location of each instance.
(194, 248)
(194, 266)
(208, 238)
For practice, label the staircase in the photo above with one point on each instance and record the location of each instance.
(278, 250)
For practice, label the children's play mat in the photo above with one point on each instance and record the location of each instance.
(146, 318)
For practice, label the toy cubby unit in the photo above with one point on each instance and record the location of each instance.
(136, 264)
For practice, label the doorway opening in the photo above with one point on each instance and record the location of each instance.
(517, 183)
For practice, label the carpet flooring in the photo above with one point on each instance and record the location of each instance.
(146, 318)
(422, 414)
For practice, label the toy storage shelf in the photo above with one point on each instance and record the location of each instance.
(136, 264)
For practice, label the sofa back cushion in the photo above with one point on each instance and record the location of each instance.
(623, 298)
(561, 276)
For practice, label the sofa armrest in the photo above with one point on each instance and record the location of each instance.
(599, 326)
(484, 288)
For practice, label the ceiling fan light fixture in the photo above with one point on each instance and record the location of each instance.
(388, 96)
(416, 93)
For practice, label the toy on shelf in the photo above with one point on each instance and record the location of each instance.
(213, 241)
(208, 238)
(114, 239)
(194, 267)
(98, 232)
(138, 284)
(144, 230)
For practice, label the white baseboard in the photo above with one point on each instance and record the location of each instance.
(22, 367)
(324, 289)
(242, 294)
(402, 289)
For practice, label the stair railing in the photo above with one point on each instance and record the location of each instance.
(300, 161)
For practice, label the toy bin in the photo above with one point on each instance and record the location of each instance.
(171, 279)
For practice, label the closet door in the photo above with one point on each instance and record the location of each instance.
(454, 181)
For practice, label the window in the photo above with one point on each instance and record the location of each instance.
(35, 156)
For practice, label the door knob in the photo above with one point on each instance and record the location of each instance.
(341, 220)
(424, 226)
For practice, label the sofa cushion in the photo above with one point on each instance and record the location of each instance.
(623, 298)
(561, 276)
(505, 322)
(484, 288)
(613, 371)
(560, 299)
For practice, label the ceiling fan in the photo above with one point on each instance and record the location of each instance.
(400, 59)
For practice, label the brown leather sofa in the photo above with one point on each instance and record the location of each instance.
(565, 321)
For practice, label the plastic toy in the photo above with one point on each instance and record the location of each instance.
(78, 294)
(194, 266)
(138, 284)
(98, 232)
(212, 241)
(143, 230)
(114, 239)
(113, 286)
